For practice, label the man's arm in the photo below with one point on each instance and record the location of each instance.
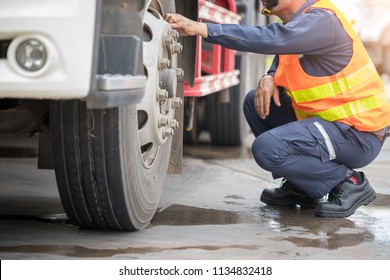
(309, 33)
(187, 27)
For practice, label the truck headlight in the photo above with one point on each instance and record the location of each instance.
(31, 55)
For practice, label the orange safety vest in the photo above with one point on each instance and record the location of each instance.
(355, 96)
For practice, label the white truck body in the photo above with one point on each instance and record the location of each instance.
(66, 28)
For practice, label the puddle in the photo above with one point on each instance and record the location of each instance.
(303, 229)
(296, 225)
(84, 252)
(180, 215)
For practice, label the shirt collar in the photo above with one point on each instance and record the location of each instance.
(301, 9)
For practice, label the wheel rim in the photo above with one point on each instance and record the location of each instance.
(156, 112)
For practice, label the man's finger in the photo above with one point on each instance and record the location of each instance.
(277, 97)
(258, 102)
(169, 18)
(176, 25)
(267, 102)
(172, 17)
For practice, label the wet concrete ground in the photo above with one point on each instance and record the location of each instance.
(211, 211)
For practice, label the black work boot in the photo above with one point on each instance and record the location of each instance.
(345, 198)
(287, 194)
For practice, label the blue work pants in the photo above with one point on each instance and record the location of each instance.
(313, 154)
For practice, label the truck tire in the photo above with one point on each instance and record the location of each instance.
(225, 119)
(101, 174)
(111, 164)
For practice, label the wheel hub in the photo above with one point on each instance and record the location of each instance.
(156, 112)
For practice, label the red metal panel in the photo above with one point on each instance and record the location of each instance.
(215, 69)
(212, 83)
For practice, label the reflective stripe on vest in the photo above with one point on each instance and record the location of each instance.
(348, 109)
(336, 87)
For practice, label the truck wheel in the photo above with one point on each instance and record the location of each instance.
(111, 164)
(225, 120)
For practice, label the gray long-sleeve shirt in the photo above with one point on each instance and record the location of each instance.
(317, 35)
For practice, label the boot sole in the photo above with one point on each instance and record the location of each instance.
(289, 202)
(349, 212)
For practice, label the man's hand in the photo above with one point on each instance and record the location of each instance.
(266, 90)
(185, 26)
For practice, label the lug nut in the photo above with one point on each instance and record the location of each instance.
(173, 124)
(162, 94)
(176, 48)
(164, 63)
(179, 72)
(163, 121)
(168, 40)
(167, 132)
(176, 102)
(174, 33)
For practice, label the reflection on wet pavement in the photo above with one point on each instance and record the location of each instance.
(309, 231)
(84, 252)
(298, 225)
(181, 215)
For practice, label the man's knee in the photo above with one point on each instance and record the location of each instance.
(269, 152)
